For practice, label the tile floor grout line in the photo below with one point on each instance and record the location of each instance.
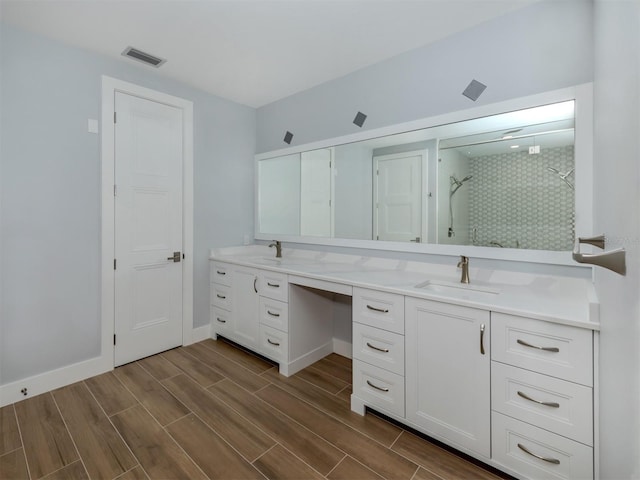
(64, 421)
(113, 425)
(316, 385)
(24, 449)
(224, 357)
(282, 413)
(330, 414)
(248, 353)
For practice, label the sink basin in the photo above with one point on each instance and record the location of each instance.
(441, 286)
(279, 261)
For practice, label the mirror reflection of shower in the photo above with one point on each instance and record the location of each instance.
(563, 176)
(454, 186)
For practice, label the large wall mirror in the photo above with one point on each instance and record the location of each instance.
(496, 179)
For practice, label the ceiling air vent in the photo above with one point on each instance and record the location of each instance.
(143, 57)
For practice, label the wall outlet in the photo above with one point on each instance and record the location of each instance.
(534, 150)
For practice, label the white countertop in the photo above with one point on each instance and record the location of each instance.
(566, 300)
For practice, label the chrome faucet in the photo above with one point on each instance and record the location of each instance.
(464, 264)
(278, 245)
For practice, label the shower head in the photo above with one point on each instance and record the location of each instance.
(456, 184)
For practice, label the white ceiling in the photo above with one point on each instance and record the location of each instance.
(253, 52)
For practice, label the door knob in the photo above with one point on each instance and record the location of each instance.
(175, 257)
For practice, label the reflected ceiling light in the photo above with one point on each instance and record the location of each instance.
(515, 146)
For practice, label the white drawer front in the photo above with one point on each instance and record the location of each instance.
(567, 408)
(221, 296)
(379, 309)
(379, 347)
(274, 285)
(274, 313)
(274, 344)
(557, 350)
(378, 387)
(220, 273)
(565, 459)
(220, 321)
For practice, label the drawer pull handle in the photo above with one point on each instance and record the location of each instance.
(274, 285)
(377, 387)
(383, 350)
(482, 327)
(546, 404)
(546, 349)
(273, 314)
(220, 296)
(255, 281)
(276, 344)
(220, 273)
(221, 320)
(381, 310)
(555, 461)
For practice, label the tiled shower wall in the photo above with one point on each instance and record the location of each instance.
(515, 201)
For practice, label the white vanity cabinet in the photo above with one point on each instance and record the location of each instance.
(378, 350)
(249, 306)
(246, 302)
(542, 397)
(448, 373)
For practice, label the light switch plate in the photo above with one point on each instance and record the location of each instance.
(92, 125)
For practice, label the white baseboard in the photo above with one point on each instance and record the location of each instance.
(60, 377)
(200, 333)
(288, 369)
(343, 348)
(45, 382)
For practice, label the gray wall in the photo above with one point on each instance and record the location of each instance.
(539, 48)
(50, 196)
(616, 195)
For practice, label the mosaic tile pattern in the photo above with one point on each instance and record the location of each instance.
(515, 201)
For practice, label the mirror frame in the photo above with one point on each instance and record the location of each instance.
(583, 96)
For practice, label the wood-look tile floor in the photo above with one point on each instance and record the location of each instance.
(213, 411)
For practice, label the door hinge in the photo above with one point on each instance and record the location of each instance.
(114, 263)
(114, 117)
(183, 256)
(114, 338)
(114, 190)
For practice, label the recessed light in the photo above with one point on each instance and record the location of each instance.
(507, 137)
(515, 146)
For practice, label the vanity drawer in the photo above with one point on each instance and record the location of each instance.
(379, 309)
(379, 347)
(550, 348)
(569, 406)
(221, 296)
(378, 387)
(274, 344)
(274, 314)
(565, 459)
(220, 321)
(274, 285)
(220, 273)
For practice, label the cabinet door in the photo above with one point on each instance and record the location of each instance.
(245, 312)
(448, 386)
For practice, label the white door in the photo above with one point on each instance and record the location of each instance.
(316, 217)
(148, 227)
(398, 196)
